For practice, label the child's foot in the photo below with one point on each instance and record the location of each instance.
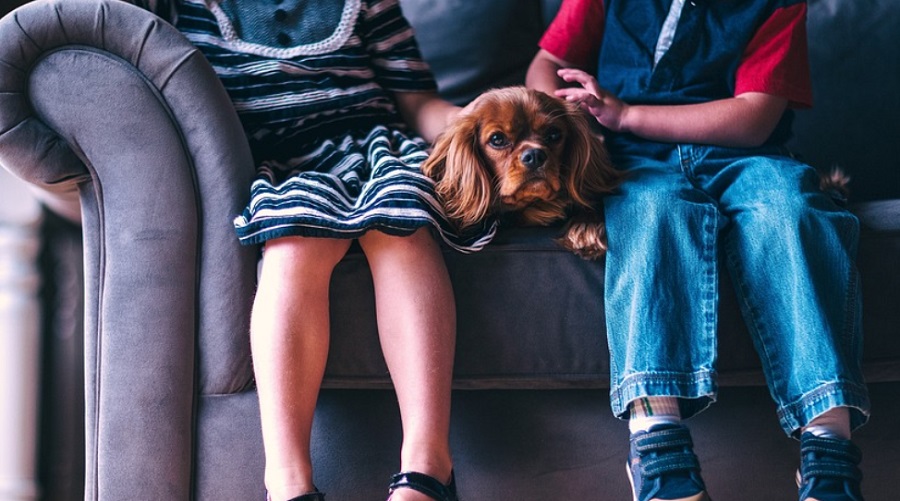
(662, 465)
(828, 469)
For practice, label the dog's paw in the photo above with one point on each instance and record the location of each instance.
(586, 239)
(835, 183)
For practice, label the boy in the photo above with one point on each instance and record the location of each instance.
(692, 96)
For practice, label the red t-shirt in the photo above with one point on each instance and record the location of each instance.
(774, 61)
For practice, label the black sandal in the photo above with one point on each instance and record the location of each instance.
(425, 484)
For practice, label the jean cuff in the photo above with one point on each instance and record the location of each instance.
(695, 391)
(795, 415)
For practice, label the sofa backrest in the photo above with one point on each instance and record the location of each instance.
(855, 119)
(854, 55)
(475, 45)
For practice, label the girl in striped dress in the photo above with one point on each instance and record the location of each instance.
(329, 93)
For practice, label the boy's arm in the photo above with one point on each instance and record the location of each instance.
(571, 40)
(542, 72)
(745, 120)
(425, 112)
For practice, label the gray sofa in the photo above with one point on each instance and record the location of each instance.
(103, 99)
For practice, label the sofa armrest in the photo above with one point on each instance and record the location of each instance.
(104, 97)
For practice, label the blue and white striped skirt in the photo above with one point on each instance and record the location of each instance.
(349, 187)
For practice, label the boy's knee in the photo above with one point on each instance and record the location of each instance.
(652, 206)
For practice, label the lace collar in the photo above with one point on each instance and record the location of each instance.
(263, 36)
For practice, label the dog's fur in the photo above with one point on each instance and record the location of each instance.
(522, 153)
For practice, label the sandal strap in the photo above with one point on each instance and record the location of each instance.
(425, 484)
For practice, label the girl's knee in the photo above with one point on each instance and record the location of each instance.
(304, 254)
(419, 241)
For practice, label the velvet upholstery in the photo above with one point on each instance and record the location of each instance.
(101, 97)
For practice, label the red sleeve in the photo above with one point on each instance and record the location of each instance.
(777, 61)
(575, 33)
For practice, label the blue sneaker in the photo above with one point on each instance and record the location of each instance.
(662, 465)
(829, 469)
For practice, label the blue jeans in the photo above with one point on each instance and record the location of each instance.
(790, 252)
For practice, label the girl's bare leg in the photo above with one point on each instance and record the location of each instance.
(289, 333)
(417, 326)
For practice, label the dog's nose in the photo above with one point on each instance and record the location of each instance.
(533, 158)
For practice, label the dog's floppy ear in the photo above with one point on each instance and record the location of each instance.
(461, 176)
(591, 173)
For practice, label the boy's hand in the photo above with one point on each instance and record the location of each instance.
(605, 107)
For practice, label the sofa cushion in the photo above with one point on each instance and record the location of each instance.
(853, 59)
(529, 315)
(472, 46)
(878, 260)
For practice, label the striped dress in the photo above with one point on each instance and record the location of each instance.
(311, 81)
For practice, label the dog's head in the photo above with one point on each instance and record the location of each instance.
(519, 150)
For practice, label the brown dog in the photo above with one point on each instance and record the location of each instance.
(522, 153)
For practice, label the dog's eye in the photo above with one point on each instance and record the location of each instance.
(497, 140)
(553, 135)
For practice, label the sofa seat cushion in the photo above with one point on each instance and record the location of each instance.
(530, 314)
(511, 298)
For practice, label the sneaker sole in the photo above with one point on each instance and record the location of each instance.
(702, 496)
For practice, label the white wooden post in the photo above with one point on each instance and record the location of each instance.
(20, 339)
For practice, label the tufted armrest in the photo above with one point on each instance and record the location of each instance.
(104, 98)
